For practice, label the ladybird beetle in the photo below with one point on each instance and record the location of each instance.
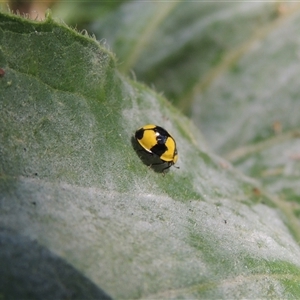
(156, 140)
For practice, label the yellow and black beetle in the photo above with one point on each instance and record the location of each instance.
(156, 140)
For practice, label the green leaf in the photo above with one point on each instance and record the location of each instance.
(82, 12)
(243, 87)
(250, 111)
(173, 45)
(73, 188)
(255, 93)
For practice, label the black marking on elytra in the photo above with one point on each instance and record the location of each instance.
(139, 134)
(159, 149)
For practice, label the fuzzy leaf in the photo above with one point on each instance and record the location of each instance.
(73, 187)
